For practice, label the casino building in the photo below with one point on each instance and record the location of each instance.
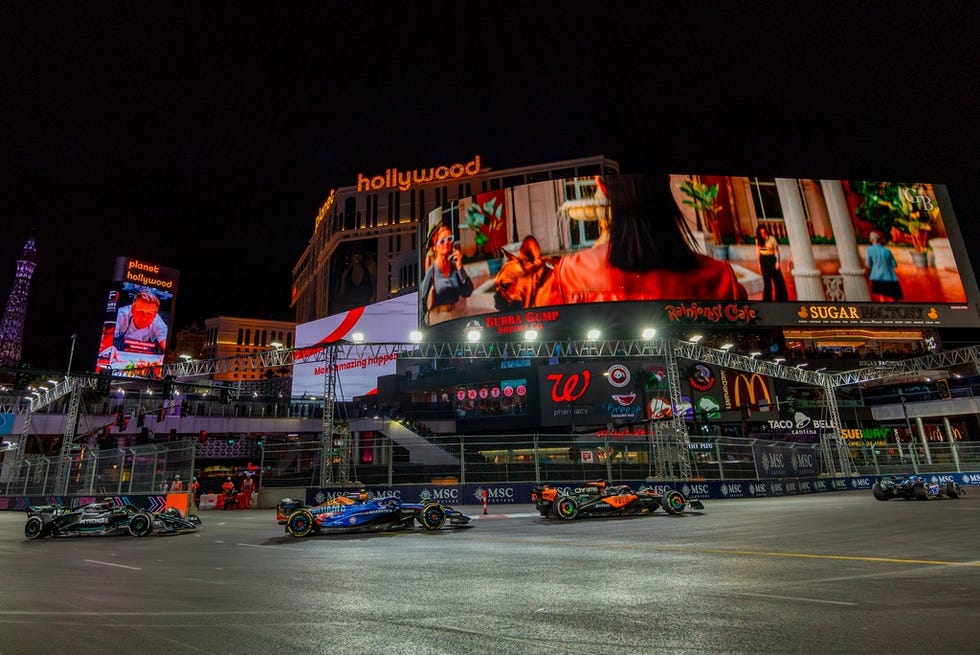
(364, 246)
(371, 243)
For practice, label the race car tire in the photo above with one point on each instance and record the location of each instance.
(35, 528)
(919, 492)
(432, 516)
(673, 502)
(952, 489)
(300, 524)
(141, 524)
(879, 491)
(565, 508)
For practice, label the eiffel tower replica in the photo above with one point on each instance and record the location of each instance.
(12, 326)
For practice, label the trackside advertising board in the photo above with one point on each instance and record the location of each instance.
(500, 495)
(385, 322)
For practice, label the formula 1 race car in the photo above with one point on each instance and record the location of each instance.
(914, 487)
(103, 519)
(597, 499)
(358, 512)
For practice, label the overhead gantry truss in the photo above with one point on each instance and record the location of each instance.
(674, 433)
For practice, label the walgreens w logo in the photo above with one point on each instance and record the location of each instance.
(569, 388)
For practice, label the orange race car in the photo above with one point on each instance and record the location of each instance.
(595, 499)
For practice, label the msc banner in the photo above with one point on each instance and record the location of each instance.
(779, 461)
(520, 493)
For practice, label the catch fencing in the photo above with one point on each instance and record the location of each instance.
(106, 472)
(539, 458)
(531, 458)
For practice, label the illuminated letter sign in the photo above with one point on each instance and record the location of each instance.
(328, 203)
(565, 391)
(403, 180)
(751, 389)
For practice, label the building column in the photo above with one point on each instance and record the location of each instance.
(952, 443)
(851, 266)
(806, 275)
(923, 438)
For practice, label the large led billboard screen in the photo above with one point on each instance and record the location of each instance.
(138, 317)
(741, 251)
(391, 321)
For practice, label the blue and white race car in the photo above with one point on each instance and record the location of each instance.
(914, 487)
(358, 512)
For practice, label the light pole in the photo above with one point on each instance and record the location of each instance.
(71, 353)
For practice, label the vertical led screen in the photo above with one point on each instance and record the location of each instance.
(390, 321)
(138, 316)
(689, 249)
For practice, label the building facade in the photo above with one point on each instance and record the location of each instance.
(227, 336)
(189, 341)
(364, 247)
(826, 314)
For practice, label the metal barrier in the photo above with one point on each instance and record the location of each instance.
(542, 457)
(530, 458)
(113, 471)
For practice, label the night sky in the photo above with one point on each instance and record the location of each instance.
(204, 136)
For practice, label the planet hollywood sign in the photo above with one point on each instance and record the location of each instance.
(405, 180)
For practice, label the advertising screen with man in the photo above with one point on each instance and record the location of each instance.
(139, 310)
(722, 250)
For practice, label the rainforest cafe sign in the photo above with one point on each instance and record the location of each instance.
(404, 180)
(718, 313)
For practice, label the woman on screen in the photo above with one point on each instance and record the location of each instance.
(648, 256)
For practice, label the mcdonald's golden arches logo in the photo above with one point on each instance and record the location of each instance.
(754, 387)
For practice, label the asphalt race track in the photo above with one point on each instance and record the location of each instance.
(828, 573)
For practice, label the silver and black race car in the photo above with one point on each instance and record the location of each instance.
(104, 519)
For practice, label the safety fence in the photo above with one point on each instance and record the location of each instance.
(107, 472)
(540, 458)
(460, 459)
